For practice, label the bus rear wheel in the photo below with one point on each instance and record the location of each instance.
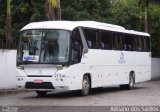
(131, 83)
(41, 93)
(85, 86)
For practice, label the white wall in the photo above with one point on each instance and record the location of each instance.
(7, 69)
(155, 68)
(8, 65)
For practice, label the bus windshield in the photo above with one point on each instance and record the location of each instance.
(44, 46)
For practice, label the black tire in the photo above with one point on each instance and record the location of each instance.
(86, 86)
(131, 83)
(41, 93)
(123, 86)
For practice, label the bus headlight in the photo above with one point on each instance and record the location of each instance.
(20, 67)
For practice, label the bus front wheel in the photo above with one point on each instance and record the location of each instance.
(85, 86)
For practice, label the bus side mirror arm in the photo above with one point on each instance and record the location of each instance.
(85, 50)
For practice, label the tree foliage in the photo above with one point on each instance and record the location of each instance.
(127, 13)
(94, 10)
(145, 4)
(2, 19)
(53, 3)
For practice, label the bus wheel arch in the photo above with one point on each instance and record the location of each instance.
(132, 73)
(86, 84)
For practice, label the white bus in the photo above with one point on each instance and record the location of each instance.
(58, 56)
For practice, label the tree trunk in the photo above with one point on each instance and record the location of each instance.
(149, 24)
(146, 16)
(49, 11)
(58, 11)
(159, 30)
(53, 13)
(9, 27)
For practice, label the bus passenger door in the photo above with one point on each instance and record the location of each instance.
(76, 47)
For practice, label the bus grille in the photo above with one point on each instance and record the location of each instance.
(44, 85)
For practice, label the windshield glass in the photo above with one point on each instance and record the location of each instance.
(44, 46)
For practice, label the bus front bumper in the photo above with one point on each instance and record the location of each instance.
(45, 84)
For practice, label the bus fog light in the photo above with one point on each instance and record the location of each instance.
(20, 79)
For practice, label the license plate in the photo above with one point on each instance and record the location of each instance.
(38, 81)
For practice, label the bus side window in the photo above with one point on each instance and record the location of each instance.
(138, 43)
(146, 44)
(128, 42)
(92, 38)
(76, 46)
(117, 41)
(106, 40)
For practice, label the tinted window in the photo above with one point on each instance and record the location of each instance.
(106, 40)
(146, 44)
(117, 41)
(128, 42)
(92, 38)
(138, 43)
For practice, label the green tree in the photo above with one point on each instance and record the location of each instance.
(26, 11)
(3, 5)
(127, 14)
(93, 10)
(155, 29)
(151, 8)
(145, 4)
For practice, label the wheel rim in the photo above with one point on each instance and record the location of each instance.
(131, 82)
(85, 86)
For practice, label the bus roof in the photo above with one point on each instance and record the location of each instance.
(70, 25)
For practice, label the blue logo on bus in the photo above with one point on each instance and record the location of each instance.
(122, 58)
